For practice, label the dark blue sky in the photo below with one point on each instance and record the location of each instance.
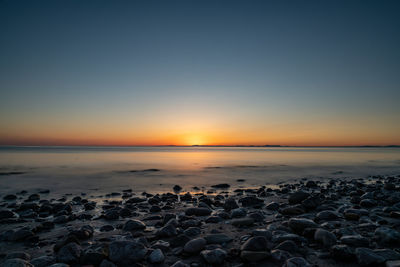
(308, 72)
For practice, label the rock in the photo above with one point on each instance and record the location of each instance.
(179, 240)
(192, 231)
(167, 231)
(43, 261)
(10, 197)
(272, 206)
(180, 264)
(367, 257)
(18, 255)
(112, 215)
(262, 232)
(106, 228)
(7, 214)
(21, 235)
(327, 215)
(221, 186)
(238, 213)
(134, 225)
(388, 254)
(59, 265)
(296, 262)
(61, 219)
(214, 257)
(387, 236)
(287, 245)
(198, 211)
(16, 263)
(355, 240)
(248, 255)
(34, 197)
(156, 256)
(257, 243)
(213, 219)
(299, 224)
(280, 255)
(292, 210)
(393, 263)
(93, 257)
(251, 201)
(70, 253)
(177, 188)
(230, 204)
(106, 263)
(154, 209)
(298, 197)
(325, 237)
(247, 221)
(368, 203)
(311, 184)
(217, 239)
(342, 253)
(194, 246)
(311, 202)
(126, 252)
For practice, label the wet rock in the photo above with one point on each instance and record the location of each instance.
(368, 203)
(327, 215)
(296, 262)
(111, 215)
(262, 232)
(272, 206)
(180, 264)
(230, 204)
(367, 257)
(179, 240)
(214, 257)
(126, 252)
(387, 236)
(16, 263)
(106, 228)
(292, 210)
(106, 263)
(299, 224)
(167, 231)
(134, 225)
(21, 235)
(221, 186)
(195, 246)
(280, 255)
(7, 214)
(34, 197)
(325, 237)
(213, 219)
(69, 253)
(257, 243)
(393, 263)
(342, 253)
(198, 211)
(93, 257)
(239, 213)
(251, 201)
(298, 197)
(311, 202)
(287, 245)
(61, 219)
(192, 231)
(241, 222)
(156, 256)
(217, 238)
(43, 261)
(355, 240)
(388, 254)
(10, 197)
(177, 188)
(18, 255)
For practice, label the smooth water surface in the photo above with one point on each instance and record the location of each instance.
(157, 169)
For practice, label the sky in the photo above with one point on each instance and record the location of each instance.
(305, 73)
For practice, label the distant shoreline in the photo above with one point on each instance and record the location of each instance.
(233, 146)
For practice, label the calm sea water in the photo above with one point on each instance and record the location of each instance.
(158, 169)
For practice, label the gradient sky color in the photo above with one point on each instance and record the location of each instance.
(199, 72)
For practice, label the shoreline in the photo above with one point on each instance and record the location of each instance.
(332, 222)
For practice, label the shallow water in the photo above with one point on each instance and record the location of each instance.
(157, 169)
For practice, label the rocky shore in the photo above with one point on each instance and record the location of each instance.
(338, 222)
